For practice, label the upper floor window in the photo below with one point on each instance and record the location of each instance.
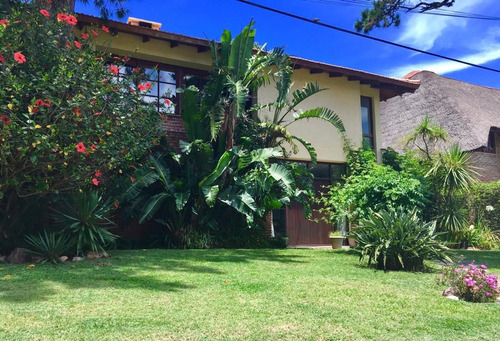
(165, 80)
(367, 121)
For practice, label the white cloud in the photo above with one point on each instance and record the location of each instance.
(422, 31)
(446, 66)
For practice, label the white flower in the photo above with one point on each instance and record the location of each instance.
(489, 208)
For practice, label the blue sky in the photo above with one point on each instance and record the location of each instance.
(476, 41)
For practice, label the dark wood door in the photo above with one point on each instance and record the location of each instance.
(302, 231)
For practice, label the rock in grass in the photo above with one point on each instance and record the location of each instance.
(78, 259)
(498, 300)
(96, 255)
(63, 258)
(19, 256)
(3, 259)
(449, 291)
(453, 297)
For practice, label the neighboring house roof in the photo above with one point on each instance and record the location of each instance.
(388, 86)
(466, 111)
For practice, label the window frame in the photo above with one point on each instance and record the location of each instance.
(371, 125)
(179, 71)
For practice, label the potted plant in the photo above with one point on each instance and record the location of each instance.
(337, 239)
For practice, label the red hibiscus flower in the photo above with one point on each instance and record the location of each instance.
(35, 110)
(98, 174)
(5, 120)
(39, 102)
(149, 85)
(168, 102)
(116, 204)
(77, 111)
(85, 36)
(132, 179)
(95, 181)
(44, 13)
(93, 148)
(77, 44)
(71, 20)
(80, 147)
(1, 59)
(19, 57)
(61, 17)
(47, 102)
(113, 69)
(4, 22)
(105, 29)
(98, 113)
(142, 87)
(94, 33)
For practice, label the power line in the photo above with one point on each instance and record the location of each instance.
(439, 11)
(313, 21)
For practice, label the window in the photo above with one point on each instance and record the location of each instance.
(367, 121)
(165, 80)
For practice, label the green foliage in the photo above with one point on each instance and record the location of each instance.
(48, 246)
(398, 240)
(385, 12)
(426, 136)
(63, 112)
(483, 201)
(371, 188)
(86, 218)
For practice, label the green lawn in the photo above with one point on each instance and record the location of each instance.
(235, 294)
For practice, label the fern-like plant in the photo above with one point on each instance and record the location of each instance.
(47, 246)
(398, 240)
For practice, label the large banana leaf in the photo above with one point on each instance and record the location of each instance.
(323, 114)
(241, 50)
(152, 206)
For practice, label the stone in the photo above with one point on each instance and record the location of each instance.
(3, 259)
(78, 259)
(498, 300)
(94, 255)
(63, 258)
(453, 297)
(449, 291)
(19, 256)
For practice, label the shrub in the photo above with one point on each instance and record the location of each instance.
(47, 246)
(63, 111)
(397, 240)
(471, 283)
(85, 218)
(484, 203)
(376, 188)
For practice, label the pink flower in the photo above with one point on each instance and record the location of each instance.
(98, 174)
(113, 69)
(80, 147)
(95, 181)
(483, 266)
(4, 22)
(77, 44)
(85, 36)
(488, 293)
(1, 59)
(94, 33)
(105, 29)
(19, 57)
(168, 102)
(44, 13)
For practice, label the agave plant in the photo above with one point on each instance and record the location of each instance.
(86, 218)
(48, 246)
(398, 240)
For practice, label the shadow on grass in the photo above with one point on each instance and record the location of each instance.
(490, 258)
(144, 269)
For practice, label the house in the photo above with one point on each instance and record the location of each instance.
(354, 95)
(469, 113)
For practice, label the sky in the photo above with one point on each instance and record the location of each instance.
(474, 40)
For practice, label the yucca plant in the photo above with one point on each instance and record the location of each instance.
(85, 219)
(47, 246)
(398, 240)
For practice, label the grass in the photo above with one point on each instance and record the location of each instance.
(235, 294)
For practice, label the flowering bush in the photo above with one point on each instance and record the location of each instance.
(68, 121)
(471, 283)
